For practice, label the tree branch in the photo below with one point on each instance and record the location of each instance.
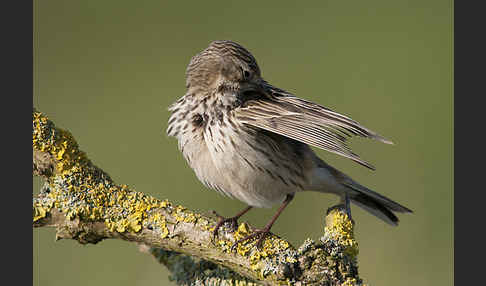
(83, 203)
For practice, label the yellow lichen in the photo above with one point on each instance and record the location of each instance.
(39, 212)
(58, 142)
(340, 228)
(163, 227)
(181, 214)
(97, 198)
(71, 214)
(134, 221)
(350, 282)
(271, 245)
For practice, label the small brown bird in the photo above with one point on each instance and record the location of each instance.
(250, 140)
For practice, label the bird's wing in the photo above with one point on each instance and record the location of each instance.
(304, 121)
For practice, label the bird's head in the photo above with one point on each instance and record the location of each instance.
(222, 66)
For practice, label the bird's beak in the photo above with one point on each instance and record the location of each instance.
(269, 90)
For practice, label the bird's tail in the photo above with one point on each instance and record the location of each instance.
(374, 203)
(328, 179)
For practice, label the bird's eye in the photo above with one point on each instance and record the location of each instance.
(246, 74)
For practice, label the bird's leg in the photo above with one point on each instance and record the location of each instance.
(233, 220)
(347, 206)
(262, 233)
(344, 204)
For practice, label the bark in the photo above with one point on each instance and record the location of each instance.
(84, 204)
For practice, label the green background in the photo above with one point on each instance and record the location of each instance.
(107, 71)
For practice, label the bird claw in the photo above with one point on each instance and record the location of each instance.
(233, 220)
(222, 221)
(260, 233)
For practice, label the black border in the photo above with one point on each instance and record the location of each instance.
(17, 88)
(469, 77)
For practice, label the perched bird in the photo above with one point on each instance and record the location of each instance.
(251, 141)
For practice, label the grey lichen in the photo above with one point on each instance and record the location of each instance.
(188, 270)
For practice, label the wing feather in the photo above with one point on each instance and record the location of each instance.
(305, 121)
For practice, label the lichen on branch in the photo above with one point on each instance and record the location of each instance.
(83, 203)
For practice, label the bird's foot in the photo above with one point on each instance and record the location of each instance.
(232, 220)
(261, 234)
(347, 206)
(222, 220)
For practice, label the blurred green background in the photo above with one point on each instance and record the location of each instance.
(107, 71)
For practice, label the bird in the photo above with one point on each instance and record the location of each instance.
(251, 141)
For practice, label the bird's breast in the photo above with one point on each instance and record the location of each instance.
(255, 166)
(261, 168)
